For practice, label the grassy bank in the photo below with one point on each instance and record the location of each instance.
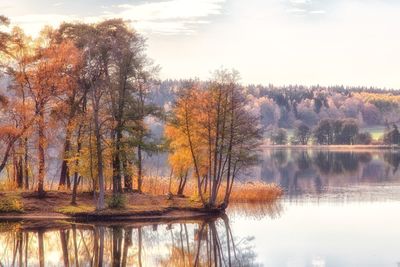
(130, 206)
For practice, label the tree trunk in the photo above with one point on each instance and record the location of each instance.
(20, 248)
(182, 183)
(64, 175)
(6, 155)
(127, 244)
(140, 246)
(75, 188)
(41, 155)
(196, 167)
(99, 152)
(101, 247)
(11, 143)
(76, 180)
(75, 245)
(20, 172)
(64, 246)
(96, 246)
(117, 180)
(117, 244)
(139, 166)
(26, 164)
(128, 181)
(41, 248)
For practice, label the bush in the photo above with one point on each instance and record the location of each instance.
(11, 204)
(363, 138)
(336, 131)
(392, 137)
(302, 134)
(116, 202)
(279, 137)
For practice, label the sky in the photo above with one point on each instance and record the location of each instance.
(280, 42)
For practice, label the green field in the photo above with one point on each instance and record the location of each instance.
(376, 131)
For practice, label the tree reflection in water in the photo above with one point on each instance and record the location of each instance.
(202, 242)
(316, 172)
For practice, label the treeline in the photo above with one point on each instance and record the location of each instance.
(88, 92)
(289, 106)
(333, 132)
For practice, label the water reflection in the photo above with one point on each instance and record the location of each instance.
(271, 210)
(205, 242)
(316, 172)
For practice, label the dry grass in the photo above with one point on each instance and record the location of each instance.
(255, 192)
(11, 203)
(154, 198)
(70, 209)
(157, 186)
(8, 185)
(250, 192)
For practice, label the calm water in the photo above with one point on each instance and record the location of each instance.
(340, 209)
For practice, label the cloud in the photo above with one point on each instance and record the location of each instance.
(58, 4)
(174, 9)
(317, 12)
(33, 24)
(300, 2)
(170, 17)
(161, 17)
(296, 10)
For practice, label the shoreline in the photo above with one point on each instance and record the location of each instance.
(333, 147)
(34, 223)
(166, 216)
(139, 208)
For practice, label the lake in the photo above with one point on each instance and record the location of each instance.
(341, 208)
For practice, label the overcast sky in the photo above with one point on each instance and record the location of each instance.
(328, 42)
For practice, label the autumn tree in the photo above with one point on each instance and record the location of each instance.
(221, 134)
(4, 36)
(94, 81)
(336, 131)
(50, 75)
(392, 136)
(116, 76)
(302, 134)
(141, 108)
(322, 133)
(130, 73)
(179, 158)
(16, 109)
(279, 136)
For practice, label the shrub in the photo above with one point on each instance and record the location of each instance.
(363, 138)
(116, 202)
(302, 134)
(392, 137)
(11, 204)
(336, 131)
(279, 137)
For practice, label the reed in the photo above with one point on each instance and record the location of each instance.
(242, 192)
(255, 192)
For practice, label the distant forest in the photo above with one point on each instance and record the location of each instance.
(289, 106)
